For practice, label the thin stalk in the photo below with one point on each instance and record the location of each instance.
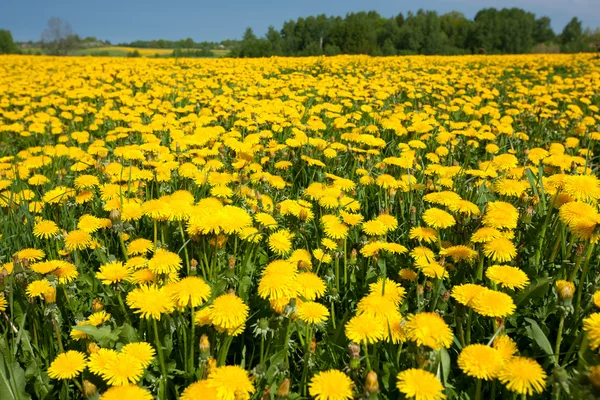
(306, 357)
(185, 250)
(478, 390)
(192, 340)
(161, 359)
(561, 325)
(367, 356)
(60, 345)
(469, 320)
(581, 287)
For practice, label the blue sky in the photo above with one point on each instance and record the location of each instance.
(127, 20)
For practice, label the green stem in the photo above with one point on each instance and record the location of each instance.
(581, 287)
(185, 250)
(306, 358)
(224, 350)
(192, 341)
(478, 390)
(60, 345)
(367, 356)
(561, 325)
(469, 320)
(161, 359)
(123, 246)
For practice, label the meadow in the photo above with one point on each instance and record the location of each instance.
(322, 228)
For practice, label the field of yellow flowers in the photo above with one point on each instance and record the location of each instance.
(328, 228)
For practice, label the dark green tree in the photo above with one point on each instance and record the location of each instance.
(7, 45)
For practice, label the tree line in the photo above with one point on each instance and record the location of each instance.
(492, 31)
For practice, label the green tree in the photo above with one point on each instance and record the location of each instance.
(571, 38)
(7, 45)
(543, 31)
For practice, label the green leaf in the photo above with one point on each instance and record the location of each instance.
(128, 334)
(445, 364)
(532, 182)
(536, 289)
(12, 381)
(104, 336)
(535, 332)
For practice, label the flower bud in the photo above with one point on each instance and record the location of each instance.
(204, 346)
(193, 264)
(565, 289)
(97, 305)
(92, 348)
(89, 389)
(50, 295)
(372, 383)
(283, 391)
(115, 214)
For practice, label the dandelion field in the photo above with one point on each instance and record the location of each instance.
(296, 228)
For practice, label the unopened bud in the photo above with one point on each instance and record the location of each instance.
(204, 346)
(92, 348)
(353, 256)
(283, 391)
(231, 262)
(50, 295)
(193, 264)
(565, 289)
(115, 214)
(372, 383)
(89, 389)
(313, 345)
(97, 305)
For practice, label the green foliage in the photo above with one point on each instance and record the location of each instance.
(492, 31)
(7, 45)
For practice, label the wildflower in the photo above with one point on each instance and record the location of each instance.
(113, 272)
(139, 246)
(523, 375)
(231, 383)
(312, 312)
(38, 288)
(438, 219)
(280, 242)
(77, 240)
(420, 385)
(123, 369)
(331, 385)
(191, 291)
(228, 312)
(591, 326)
(480, 361)
(365, 328)
(143, 352)
(164, 262)
(500, 250)
(126, 392)
(466, 292)
(429, 329)
(309, 286)
(67, 365)
(45, 229)
(150, 301)
(510, 277)
(199, 390)
(505, 346)
(491, 303)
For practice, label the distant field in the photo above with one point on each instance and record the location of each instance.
(118, 51)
